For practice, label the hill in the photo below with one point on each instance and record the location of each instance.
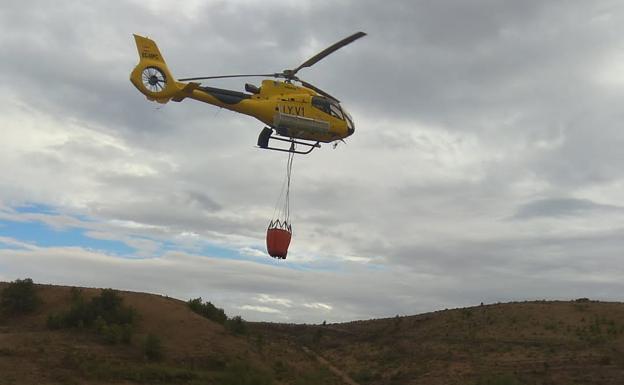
(195, 350)
(575, 342)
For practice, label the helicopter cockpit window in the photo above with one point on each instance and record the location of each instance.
(349, 120)
(335, 111)
(320, 103)
(328, 106)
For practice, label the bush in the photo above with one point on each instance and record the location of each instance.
(152, 347)
(111, 334)
(366, 376)
(126, 334)
(105, 314)
(319, 376)
(106, 308)
(241, 373)
(207, 310)
(499, 379)
(19, 297)
(237, 325)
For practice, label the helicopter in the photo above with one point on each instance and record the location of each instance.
(301, 115)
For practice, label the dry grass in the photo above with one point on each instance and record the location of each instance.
(195, 350)
(503, 344)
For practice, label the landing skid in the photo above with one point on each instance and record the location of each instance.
(267, 134)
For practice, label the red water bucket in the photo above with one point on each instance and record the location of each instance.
(278, 240)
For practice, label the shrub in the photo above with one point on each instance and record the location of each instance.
(237, 325)
(19, 297)
(111, 334)
(241, 373)
(207, 310)
(152, 347)
(466, 313)
(105, 314)
(54, 322)
(366, 376)
(315, 377)
(499, 379)
(280, 369)
(106, 308)
(317, 336)
(126, 334)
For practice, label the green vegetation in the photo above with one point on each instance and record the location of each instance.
(90, 366)
(19, 297)
(599, 331)
(572, 342)
(104, 314)
(498, 379)
(236, 324)
(241, 373)
(281, 369)
(366, 376)
(320, 376)
(152, 347)
(207, 310)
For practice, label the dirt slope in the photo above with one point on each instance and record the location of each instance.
(505, 344)
(577, 342)
(196, 350)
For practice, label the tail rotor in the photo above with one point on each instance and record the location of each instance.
(153, 79)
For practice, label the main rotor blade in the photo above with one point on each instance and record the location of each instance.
(318, 90)
(314, 59)
(230, 76)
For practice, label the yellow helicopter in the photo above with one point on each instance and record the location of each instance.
(299, 115)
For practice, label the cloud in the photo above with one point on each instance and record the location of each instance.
(290, 294)
(11, 243)
(467, 115)
(265, 298)
(260, 309)
(557, 207)
(318, 305)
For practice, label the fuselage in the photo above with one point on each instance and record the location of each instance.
(277, 102)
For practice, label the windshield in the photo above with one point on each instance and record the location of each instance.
(334, 109)
(349, 119)
(328, 106)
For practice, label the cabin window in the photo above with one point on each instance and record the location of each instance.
(327, 107)
(349, 123)
(320, 103)
(335, 111)
(349, 120)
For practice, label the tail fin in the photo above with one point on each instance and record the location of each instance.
(148, 49)
(152, 76)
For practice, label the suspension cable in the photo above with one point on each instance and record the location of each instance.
(281, 213)
(289, 163)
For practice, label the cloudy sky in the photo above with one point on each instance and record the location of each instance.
(486, 164)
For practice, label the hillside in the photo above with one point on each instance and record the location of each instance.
(577, 342)
(195, 349)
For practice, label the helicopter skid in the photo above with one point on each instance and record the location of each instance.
(266, 136)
